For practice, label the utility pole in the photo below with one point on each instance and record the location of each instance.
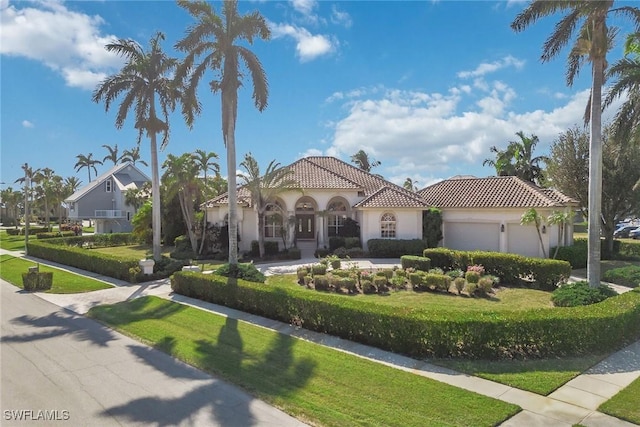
(27, 185)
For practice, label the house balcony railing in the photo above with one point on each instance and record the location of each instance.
(105, 213)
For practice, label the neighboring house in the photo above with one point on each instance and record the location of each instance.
(484, 214)
(103, 199)
(332, 191)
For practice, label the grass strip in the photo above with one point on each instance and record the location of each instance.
(64, 282)
(625, 404)
(317, 384)
(11, 243)
(541, 376)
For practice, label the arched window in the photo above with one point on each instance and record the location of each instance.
(273, 220)
(337, 214)
(388, 226)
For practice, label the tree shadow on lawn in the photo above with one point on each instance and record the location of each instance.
(274, 373)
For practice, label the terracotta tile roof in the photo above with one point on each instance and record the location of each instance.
(319, 172)
(390, 197)
(492, 192)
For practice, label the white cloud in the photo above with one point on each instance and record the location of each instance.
(340, 17)
(431, 136)
(491, 67)
(305, 7)
(68, 42)
(308, 46)
(27, 124)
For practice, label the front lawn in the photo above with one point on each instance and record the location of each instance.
(146, 251)
(317, 384)
(625, 404)
(541, 376)
(64, 282)
(504, 299)
(11, 243)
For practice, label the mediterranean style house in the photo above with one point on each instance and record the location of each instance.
(478, 213)
(103, 199)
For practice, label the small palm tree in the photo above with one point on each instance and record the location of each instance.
(362, 161)
(518, 160)
(561, 219)
(204, 162)
(531, 216)
(213, 39)
(146, 85)
(113, 154)
(87, 162)
(410, 184)
(593, 40)
(265, 188)
(132, 156)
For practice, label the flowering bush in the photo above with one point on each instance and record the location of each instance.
(476, 268)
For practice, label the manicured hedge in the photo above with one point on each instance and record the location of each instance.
(109, 265)
(417, 333)
(54, 234)
(512, 269)
(70, 251)
(417, 262)
(395, 248)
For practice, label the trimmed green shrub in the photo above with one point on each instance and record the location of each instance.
(417, 262)
(352, 242)
(340, 252)
(246, 271)
(459, 283)
(368, 287)
(294, 253)
(395, 248)
(37, 280)
(355, 252)
(472, 276)
(580, 293)
(419, 334)
(301, 273)
(318, 269)
(321, 253)
(576, 255)
(321, 282)
(270, 248)
(336, 242)
(54, 234)
(626, 276)
(485, 284)
(630, 249)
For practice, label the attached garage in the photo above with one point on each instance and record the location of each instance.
(469, 236)
(523, 240)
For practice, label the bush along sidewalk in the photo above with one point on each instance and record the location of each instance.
(36, 280)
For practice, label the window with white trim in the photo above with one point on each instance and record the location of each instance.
(336, 217)
(388, 226)
(107, 186)
(273, 220)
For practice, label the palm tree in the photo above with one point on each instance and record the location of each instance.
(591, 44)
(626, 76)
(143, 81)
(72, 184)
(517, 159)
(136, 197)
(11, 200)
(410, 184)
(87, 162)
(113, 154)
(361, 160)
(265, 188)
(30, 176)
(132, 156)
(531, 216)
(561, 219)
(204, 163)
(181, 179)
(213, 39)
(48, 182)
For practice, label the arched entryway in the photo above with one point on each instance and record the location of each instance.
(305, 219)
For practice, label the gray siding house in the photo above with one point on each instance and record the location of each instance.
(103, 199)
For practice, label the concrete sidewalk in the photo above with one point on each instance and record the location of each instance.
(575, 402)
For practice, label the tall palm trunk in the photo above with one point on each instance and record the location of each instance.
(595, 175)
(230, 140)
(204, 215)
(155, 186)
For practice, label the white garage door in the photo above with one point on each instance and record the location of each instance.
(467, 236)
(523, 240)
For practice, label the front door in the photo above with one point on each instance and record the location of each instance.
(305, 226)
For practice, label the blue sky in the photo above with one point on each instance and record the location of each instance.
(424, 87)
